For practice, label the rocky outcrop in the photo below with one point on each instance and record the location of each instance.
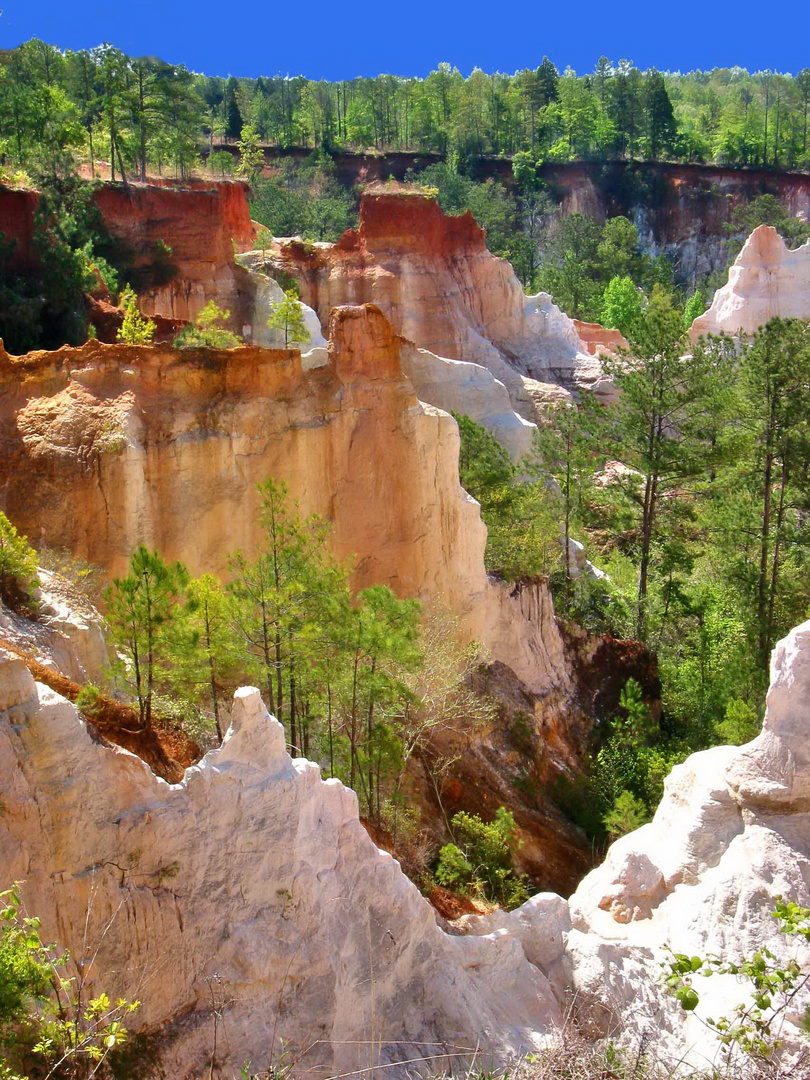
(432, 276)
(181, 240)
(452, 385)
(259, 303)
(767, 281)
(730, 836)
(104, 446)
(253, 880)
(250, 883)
(178, 239)
(67, 633)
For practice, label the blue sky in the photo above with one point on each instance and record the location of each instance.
(409, 37)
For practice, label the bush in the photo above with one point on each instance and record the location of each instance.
(208, 332)
(18, 564)
(136, 329)
(481, 861)
(48, 1021)
(88, 699)
(627, 814)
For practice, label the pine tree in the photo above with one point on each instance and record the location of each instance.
(288, 315)
(143, 611)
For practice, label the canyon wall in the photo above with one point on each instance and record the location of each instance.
(254, 884)
(202, 223)
(105, 446)
(680, 209)
(179, 239)
(767, 281)
(433, 277)
(251, 881)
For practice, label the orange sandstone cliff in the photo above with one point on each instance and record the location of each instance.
(433, 277)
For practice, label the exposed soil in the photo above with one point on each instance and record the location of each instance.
(168, 752)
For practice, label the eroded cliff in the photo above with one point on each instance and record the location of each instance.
(434, 278)
(767, 280)
(255, 877)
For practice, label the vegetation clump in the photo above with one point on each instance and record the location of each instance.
(136, 329)
(481, 859)
(288, 316)
(48, 1022)
(208, 331)
(18, 565)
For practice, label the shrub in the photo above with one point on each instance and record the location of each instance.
(18, 564)
(48, 1021)
(136, 329)
(208, 332)
(87, 700)
(481, 861)
(695, 306)
(626, 815)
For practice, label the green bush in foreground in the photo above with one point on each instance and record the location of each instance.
(46, 1016)
(481, 859)
(18, 563)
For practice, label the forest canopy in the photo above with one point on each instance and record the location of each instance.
(141, 112)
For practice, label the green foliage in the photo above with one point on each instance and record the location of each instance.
(47, 1019)
(288, 316)
(88, 700)
(136, 329)
(695, 306)
(208, 332)
(627, 814)
(621, 305)
(221, 163)
(251, 157)
(18, 564)
(523, 521)
(768, 210)
(772, 982)
(481, 859)
(740, 724)
(304, 200)
(142, 612)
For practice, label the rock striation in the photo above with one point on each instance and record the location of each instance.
(105, 446)
(766, 281)
(433, 277)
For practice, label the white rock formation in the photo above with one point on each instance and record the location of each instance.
(255, 877)
(435, 280)
(254, 880)
(459, 387)
(730, 836)
(452, 385)
(67, 635)
(266, 295)
(767, 280)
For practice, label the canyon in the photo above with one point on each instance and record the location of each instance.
(271, 904)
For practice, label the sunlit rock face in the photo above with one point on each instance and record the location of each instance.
(107, 446)
(254, 880)
(434, 278)
(766, 281)
(181, 240)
